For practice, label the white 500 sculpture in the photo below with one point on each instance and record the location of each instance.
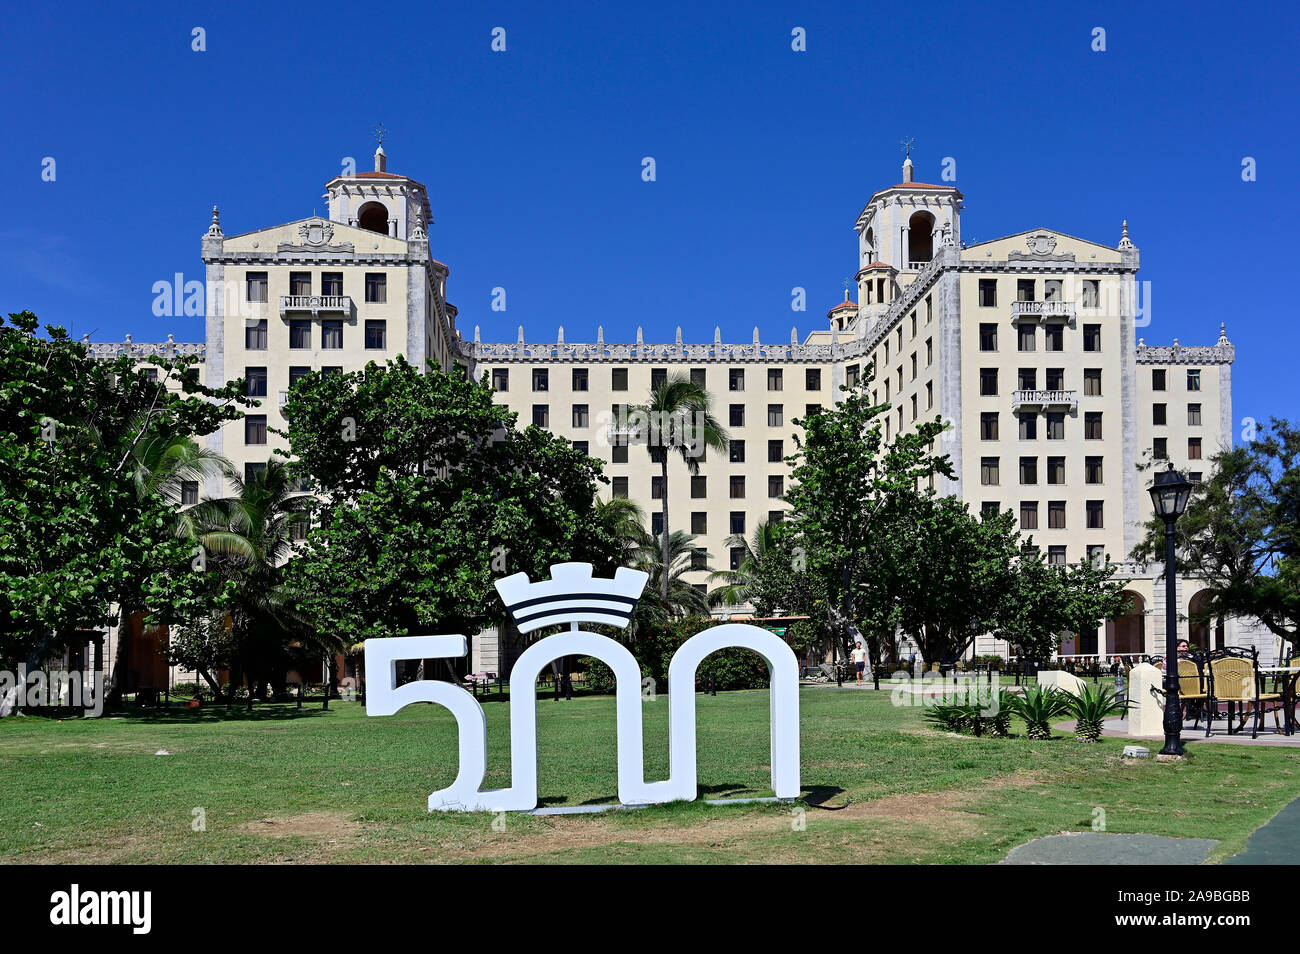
(573, 596)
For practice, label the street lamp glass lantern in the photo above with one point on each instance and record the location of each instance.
(1170, 493)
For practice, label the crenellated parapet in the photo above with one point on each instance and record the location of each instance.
(145, 350)
(1221, 352)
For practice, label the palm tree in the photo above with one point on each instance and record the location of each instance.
(683, 599)
(737, 583)
(677, 417)
(623, 521)
(158, 465)
(250, 536)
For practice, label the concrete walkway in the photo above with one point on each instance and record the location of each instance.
(1100, 848)
(1277, 842)
(1118, 729)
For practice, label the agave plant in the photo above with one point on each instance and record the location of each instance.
(1091, 707)
(1038, 706)
(948, 716)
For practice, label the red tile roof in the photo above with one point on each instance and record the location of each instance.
(877, 265)
(845, 304)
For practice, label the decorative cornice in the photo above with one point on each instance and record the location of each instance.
(520, 351)
(143, 350)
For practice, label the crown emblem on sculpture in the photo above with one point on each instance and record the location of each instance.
(572, 595)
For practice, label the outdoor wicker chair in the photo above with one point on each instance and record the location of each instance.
(1236, 680)
(1193, 687)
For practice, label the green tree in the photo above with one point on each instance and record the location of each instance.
(81, 528)
(677, 418)
(736, 586)
(1044, 600)
(1240, 534)
(655, 610)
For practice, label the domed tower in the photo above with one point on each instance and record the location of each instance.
(379, 201)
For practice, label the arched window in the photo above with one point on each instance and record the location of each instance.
(373, 217)
(1200, 633)
(920, 238)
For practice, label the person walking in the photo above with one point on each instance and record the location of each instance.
(859, 660)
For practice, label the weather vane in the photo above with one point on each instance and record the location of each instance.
(907, 146)
(380, 133)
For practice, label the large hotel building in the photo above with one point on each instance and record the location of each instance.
(1028, 345)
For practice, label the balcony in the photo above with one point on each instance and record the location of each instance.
(316, 305)
(1043, 311)
(1044, 401)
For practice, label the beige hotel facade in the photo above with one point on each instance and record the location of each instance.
(1030, 346)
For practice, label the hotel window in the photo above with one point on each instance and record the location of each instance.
(656, 487)
(886, 361)
(581, 415)
(775, 379)
(656, 453)
(736, 556)
(811, 409)
(328, 370)
(775, 415)
(501, 379)
(1193, 379)
(736, 449)
(1159, 414)
(775, 452)
(299, 333)
(331, 283)
(300, 283)
(255, 335)
(579, 379)
(1091, 293)
(989, 471)
(929, 352)
(1055, 379)
(1194, 476)
(1096, 552)
(851, 375)
(1027, 379)
(900, 379)
(988, 337)
(988, 292)
(1158, 379)
(1193, 448)
(1056, 556)
(189, 492)
(913, 365)
(1092, 382)
(376, 334)
(1026, 338)
(376, 287)
(1024, 289)
(1092, 337)
(698, 377)
(1054, 338)
(618, 379)
(1029, 470)
(255, 286)
(699, 487)
(988, 425)
(582, 447)
(1160, 448)
(736, 379)
(1055, 427)
(542, 415)
(254, 473)
(1051, 289)
(1056, 470)
(812, 379)
(736, 487)
(618, 487)
(255, 429)
(737, 521)
(657, 377)
(1092, 426)
(929, 308)
(1094, 511)
(1029, 515)
(737, 418)
(1056, 515)
(989, 508)
(913, 324)
(297, 373)
(331, 335)
(618, 454)
(541, 379)
(1028, 426)
(699, 558)
(775, 516)
(256, 382)
(699, 523)
(988, 381)
(1194, 415)
(929, 395)
(914, 407)
(657, 523)
(775, 485)
(1092, 470)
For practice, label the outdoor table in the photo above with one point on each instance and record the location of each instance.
(1288, 691)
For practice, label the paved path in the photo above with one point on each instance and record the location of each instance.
(1099, 848)
(1277, 842)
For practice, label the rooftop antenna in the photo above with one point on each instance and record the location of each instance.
(381, 133)
(906, 145)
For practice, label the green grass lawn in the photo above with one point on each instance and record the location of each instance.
(281, 785)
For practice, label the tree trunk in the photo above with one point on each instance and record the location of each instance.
(121, 660)
(663, 470)
(212, 683)
(328, 680)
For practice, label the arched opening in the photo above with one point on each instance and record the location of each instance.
(870, 243)
(1203, 633)
(920, 238)
(373, 217)
(1127, 634)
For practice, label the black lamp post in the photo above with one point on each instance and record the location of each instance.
(1169, 494)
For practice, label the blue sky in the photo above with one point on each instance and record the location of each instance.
(764, 155)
